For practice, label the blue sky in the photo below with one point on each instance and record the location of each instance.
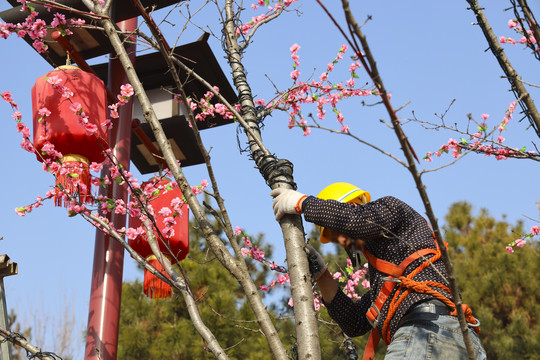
(428, 53)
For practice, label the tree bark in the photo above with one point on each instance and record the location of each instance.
(277, 174)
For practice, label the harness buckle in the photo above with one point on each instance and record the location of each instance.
(474, 325)
(373, 319)
(388, 278)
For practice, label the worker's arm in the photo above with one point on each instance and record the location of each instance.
(328, 287)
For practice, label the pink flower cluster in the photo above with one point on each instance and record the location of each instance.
(6, 95)
(22, 210)
(206, 108)
(478, 142)
(535, 230)
(36, 29)
(526, 38)
(352, 279)
(319, 93)
(126, 92)
(244, 28)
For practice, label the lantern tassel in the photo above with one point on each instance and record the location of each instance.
(154, 288)
(73, 179)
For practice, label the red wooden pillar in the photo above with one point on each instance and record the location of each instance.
(106, 287)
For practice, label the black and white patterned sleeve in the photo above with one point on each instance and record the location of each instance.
(350, 315)
(372, 221)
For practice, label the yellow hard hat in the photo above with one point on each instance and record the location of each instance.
(342, 192)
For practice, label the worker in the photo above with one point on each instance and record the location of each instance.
(409, 304)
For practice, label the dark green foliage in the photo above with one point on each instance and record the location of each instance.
(502, 289)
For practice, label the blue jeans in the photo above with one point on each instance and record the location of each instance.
(440, 338)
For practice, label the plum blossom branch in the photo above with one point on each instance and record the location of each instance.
(248, 29)
(476, 142)
(535, 230)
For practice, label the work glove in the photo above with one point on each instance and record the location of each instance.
(286, 201)
(317, 265)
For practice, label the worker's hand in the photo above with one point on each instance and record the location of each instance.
(317, 266)
(286, 201)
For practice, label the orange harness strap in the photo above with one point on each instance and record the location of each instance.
(394, 271)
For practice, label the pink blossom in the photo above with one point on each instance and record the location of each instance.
(245, 251)
(264, 288)
(520, 242)
(66, 92)
(27, 145)
(59, 19)
(345, 129)
(75, 107)
(44, 112)
(120, 207)
(294, 48)
(77, 21)
(535, 230)
(91, 129)
(247, 241)
(283, 279)
(510, 249)
(502, 39)
(126, 90)
(165, 211)
(257, 253)
(107, 124)
(96, 167)
(23, 129)
(168, 232)
(237, 230)
(40, 46)
(316, 303)
(131, 233)
(295, 74)
(512, 23)
(365, 284)
(291, 303)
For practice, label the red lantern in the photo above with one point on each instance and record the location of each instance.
(77, 102)
(173, 245)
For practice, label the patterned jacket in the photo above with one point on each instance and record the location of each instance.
(392, 230)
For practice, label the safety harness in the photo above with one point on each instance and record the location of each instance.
(406, 286)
